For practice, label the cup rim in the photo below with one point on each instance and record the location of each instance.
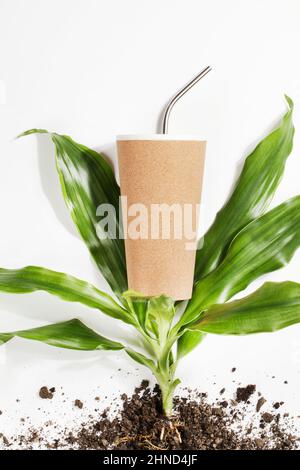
(160, 137)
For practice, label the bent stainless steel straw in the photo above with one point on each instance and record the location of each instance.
(179, 94)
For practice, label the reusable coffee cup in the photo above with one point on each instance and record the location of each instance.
(161, 180)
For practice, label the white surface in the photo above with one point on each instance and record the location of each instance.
(93, 69)
(159, 137)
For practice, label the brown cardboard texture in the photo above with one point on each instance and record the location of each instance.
(161, 172)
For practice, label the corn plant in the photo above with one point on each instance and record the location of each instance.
(243, 243)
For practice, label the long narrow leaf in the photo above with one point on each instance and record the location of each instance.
(253, 192)
(87, 181)
(270, 308)
(189, 341)
(140, 358)
(138, 305)
(72, 334)
(266, 244)
(33, 278)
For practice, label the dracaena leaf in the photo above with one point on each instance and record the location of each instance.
(72, 334)
(189, 341)
(160, 313)
(140, 358)
(252, 194)
(264, 245)
(270, 308)
(87, 181)
(138, 305)
(34, 278)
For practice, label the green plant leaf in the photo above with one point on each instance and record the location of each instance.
(252, 194)
(272, 307)
(264, 245)
(137, 304)
(160, 314)
(87, 181)
(33, 278)
(141, 359)
(72, 334)
(189, 341)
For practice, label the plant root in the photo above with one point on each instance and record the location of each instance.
(153, 446)
(171, 427)
(123, 440)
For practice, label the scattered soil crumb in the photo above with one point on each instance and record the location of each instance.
(277, 405)
(260, 403)
(45, 393)
(244, 393)
(267, 417)
(144, 384)
(78, 403)
(4, 439)
(224, 403)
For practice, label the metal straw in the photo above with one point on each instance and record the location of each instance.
(179, 94)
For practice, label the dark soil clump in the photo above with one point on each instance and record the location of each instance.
(5, 440)
(244, 393)
(79, 404)
(260, 403)
(45, 393)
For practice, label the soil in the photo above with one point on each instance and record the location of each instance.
(260, 403)
(197, 424)
(46, 393)
(79, 404)
(244, 393)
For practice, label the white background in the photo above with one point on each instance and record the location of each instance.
(93, 69)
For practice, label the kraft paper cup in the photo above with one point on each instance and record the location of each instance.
(160, 170)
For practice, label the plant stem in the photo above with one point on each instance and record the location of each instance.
(164, 373)
(167, 387)
(163, 367)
